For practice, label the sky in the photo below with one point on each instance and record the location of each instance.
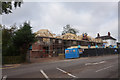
(89, 17)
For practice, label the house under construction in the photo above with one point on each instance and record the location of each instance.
(49, 45)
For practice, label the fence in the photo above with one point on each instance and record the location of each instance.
(11, 59)
(99, 52)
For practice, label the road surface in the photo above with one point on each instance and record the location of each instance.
(88, 67)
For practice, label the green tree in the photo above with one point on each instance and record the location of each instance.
(6, 6)
(24, 38)
(68, 29)
(7, 44)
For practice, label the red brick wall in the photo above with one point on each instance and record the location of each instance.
(35, 54)
(35, 47)
(37, 51)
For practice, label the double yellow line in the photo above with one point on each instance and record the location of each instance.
(8, 67)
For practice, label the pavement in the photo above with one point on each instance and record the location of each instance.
(88, 67)
(48, 59)
(32, 60)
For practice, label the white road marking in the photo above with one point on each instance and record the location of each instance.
(88, 63)
(66, 73)
(4, 77)
(102, 62)
(44, 74)
(103, 68)
(95, 63)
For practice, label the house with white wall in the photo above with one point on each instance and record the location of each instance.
(108, 39)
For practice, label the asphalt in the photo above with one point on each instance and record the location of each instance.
(88, 67)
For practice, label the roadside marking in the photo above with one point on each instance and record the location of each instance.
(66, 73)
(103, 68)
(44, 74)
(10, 66)
(4, 77)
(7, 68)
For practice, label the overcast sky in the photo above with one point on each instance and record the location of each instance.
(90, 17)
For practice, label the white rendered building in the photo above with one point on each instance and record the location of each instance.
(108, 39)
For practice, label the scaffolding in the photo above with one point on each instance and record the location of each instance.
(49, 45)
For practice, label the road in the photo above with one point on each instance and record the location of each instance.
(88, 67)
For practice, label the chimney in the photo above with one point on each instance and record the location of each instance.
(108, 33)
(98, 35)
